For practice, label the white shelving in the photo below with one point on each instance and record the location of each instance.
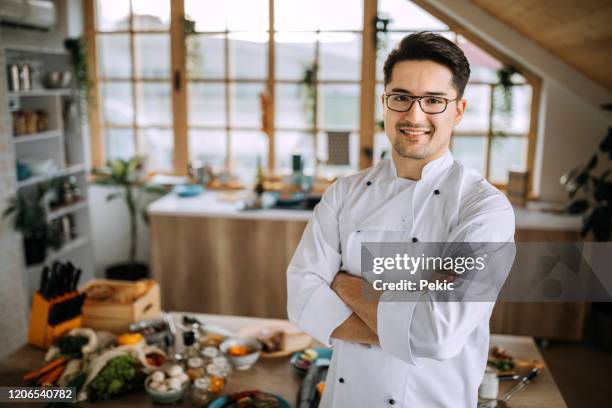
(75, 168)
(64, 144)
(41, 92)
(62, 252)
(60, 212)
(37, 136)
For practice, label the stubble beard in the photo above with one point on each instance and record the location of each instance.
(408, 150)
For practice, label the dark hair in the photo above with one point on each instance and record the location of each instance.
(426, 46)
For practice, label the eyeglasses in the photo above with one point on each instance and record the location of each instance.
(429, 104)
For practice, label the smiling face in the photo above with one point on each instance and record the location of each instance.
(415, 134)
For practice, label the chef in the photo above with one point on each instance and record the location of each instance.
(414, 352)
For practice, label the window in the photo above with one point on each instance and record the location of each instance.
(494, 132)
(227, 61)
(305, 59)
(324, 39)
(132, 40)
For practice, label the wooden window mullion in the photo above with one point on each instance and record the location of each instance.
(228, 142)
(271, 90)
(180, 156)
(95, 124)
(367, 109)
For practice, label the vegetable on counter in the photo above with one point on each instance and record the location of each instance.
(129, 338)
(33, 375)
(52, 376)
(120, 375)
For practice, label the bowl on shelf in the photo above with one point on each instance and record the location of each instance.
(57, 79)
(241, 352)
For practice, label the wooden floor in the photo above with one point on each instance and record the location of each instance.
(582, 372)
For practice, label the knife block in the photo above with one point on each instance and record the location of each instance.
(46, 321)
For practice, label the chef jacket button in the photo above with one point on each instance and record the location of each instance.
(341, 380)
(358, 231)
(391, 401)
(437, 192)
(369, 183)
(414, 239)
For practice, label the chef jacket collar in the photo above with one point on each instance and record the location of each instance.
(430, 171)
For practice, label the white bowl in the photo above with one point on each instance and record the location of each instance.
(242, 362)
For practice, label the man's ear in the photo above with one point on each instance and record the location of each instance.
(461, 106)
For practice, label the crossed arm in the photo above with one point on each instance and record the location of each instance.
(362, 299)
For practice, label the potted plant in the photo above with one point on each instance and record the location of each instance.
(127, 178)
(30, 219)
(590, 192)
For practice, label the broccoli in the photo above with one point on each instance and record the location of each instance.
(119, 376)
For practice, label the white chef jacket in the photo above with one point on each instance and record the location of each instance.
(431, 354)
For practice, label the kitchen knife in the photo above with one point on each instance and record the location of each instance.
(77, 277)
(44, 280)
(66, 277)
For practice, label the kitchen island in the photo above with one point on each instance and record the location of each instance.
(275, 375)
(211, 257)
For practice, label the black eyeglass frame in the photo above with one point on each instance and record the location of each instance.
(419, 98)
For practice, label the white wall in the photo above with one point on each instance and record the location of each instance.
(571, 134)
(571, 120)
(13, 280)
(110, 230)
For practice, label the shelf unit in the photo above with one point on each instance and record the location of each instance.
(64, 143)
(37, 136)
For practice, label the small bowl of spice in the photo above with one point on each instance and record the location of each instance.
(241, 352)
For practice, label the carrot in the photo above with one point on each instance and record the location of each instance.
(32, 375)
(52, 376)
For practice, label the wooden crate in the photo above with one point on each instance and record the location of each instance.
(116, 317)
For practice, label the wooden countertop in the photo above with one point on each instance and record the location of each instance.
(276, 376)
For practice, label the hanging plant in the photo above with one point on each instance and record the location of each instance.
(308, 92)
(78, 58)
(380, 33)
(192, 47)
(505, 85)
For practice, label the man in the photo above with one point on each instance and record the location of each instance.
(416, 352)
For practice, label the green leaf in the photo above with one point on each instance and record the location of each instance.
(606, 144)
(586, 224)
(145, 216)
(577, 206)
(601, 221)
(603, 192)
(592, 163)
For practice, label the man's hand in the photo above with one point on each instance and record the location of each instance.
(359, 296)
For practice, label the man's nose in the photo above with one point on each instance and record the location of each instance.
(415, 114)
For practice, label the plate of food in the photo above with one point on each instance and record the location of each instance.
(508, 365)
(302, 360)
(247, 399)
(278, 339)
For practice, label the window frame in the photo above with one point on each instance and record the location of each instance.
(367, 84)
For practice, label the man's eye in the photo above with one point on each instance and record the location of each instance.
(400, 98)
(434, 101)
